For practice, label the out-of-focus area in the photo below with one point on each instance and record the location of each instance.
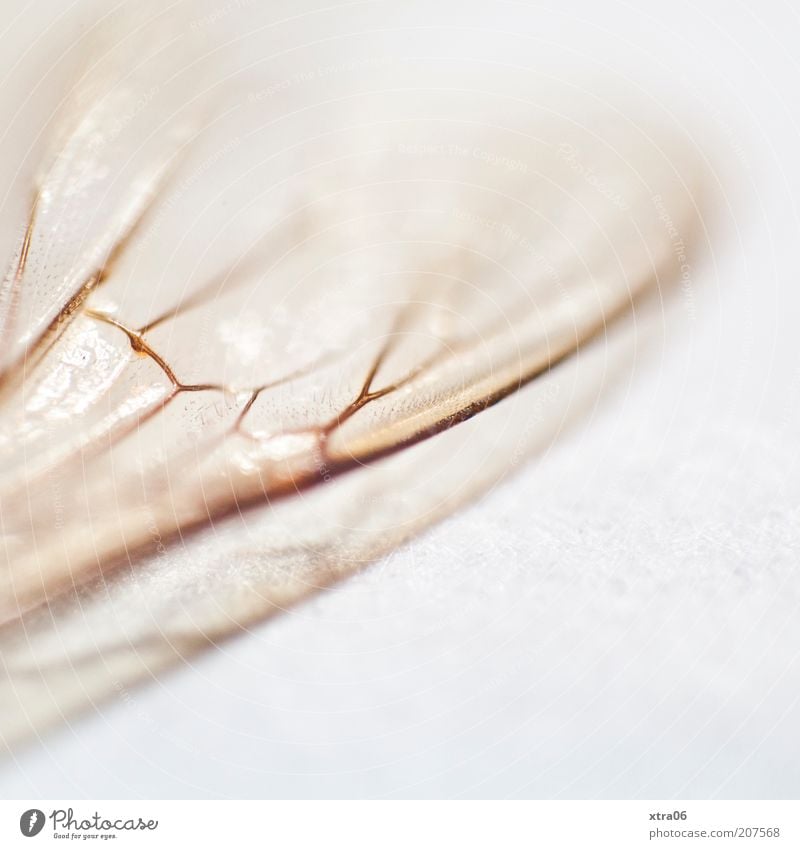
(618, 618)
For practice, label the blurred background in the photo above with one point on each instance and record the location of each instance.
(618, 619)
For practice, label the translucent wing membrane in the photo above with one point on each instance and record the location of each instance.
(245, 318)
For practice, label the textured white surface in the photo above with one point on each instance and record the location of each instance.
(619, 619)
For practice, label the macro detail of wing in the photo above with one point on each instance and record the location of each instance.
(221, 304)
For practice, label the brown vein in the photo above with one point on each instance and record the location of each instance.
(10, 317)
(33, 354)
(142, 346)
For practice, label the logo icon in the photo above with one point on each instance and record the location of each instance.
(31, 822)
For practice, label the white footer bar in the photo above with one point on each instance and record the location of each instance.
(402, 824)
